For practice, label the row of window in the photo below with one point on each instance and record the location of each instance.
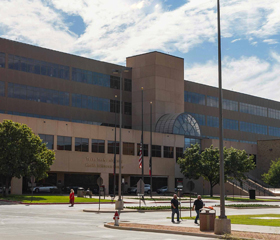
(98, 146)
(274, 131)
(2, 60)
(232, 140)
(227, 123)
(38, 94)
(253, 109)
(99, 104)
(232, 105)
(62, 119)
(62, 98)
(59, 71)
(2, 89)
(253, 128)
(100, 79)
(38, 67)
(273, 113)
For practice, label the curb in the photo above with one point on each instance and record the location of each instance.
(18, 202)
(162, 231)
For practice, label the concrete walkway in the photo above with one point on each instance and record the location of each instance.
(234, 227)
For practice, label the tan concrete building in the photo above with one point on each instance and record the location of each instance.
(73, 104)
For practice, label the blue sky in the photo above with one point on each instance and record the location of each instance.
(111, 30)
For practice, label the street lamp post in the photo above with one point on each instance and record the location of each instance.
(222, 225)
(119, 203)
(115, 147)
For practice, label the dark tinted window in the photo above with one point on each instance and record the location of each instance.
(168, 152)
(64, 143)
(156, 151)
(38, 67)
(81, 144)
(114, 82)
(179, 153)
(98, 146)
(48, 139)
(2, 89)
(146, 149)
(127, 85)
(128, 148)
(2, 60)
(111, 145)
(127, 108)
(38, 94)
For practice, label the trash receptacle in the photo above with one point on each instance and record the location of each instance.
(252, 194)
(207, 219)
(80, 192)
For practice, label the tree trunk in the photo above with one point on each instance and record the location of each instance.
(7, 185)
(211, 190)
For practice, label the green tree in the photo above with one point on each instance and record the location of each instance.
(210, 169)
(22, 153)
(272, 177)
(237, 164)
(190, 164)
(206, 164)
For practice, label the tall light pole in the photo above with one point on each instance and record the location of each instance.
(119, 203)
(115, 147)
(222, 225)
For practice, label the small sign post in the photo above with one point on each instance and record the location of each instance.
(140, 191)
(190, 185)
(180, 190)
(99, 183)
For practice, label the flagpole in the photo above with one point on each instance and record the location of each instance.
(142, 139)
(151, 174)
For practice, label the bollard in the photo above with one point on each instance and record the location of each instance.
(116, 218)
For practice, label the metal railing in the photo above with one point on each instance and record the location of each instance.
(249, 184)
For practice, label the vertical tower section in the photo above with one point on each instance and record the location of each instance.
(162, 77)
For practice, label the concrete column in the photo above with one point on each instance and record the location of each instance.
(89, 145)
(105, 177)
(73, 144)
(171, 183)
(55, 142)
(60, 177)
(16, 186)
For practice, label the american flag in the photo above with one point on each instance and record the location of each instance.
(140, 156)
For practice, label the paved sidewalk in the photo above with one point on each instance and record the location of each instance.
(234, 227)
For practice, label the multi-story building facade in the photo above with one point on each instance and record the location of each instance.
(73, 104)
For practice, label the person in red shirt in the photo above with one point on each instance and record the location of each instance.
(72, 197)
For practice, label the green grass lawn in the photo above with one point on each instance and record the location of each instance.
(49, 199)
(249, 219)
(161, 199)
(154, 208)
(251, 206)
(240, 199)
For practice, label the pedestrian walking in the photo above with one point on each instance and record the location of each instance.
(72, 197)
(174, 208)
(198, 204)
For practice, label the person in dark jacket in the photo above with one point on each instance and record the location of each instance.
(174, 208)
(198, 204)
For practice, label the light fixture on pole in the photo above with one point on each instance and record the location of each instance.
(119, 202)
(222, 224)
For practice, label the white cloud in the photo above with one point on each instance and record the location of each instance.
(116, 29)
(249, 75)
(235, 40)
(33, 22)
(270, 41)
